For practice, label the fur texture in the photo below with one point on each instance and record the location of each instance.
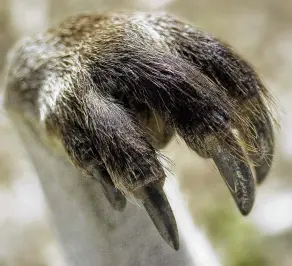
(113, 88)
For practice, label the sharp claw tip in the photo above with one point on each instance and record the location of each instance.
(170, 236)
(245, 210)
(175, 244)
(172, 240)
(159, 210)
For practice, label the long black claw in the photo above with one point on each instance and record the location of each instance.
(236, 172)
(156, 204)
(116, 199)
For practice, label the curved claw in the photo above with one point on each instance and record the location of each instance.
(264, 143)
(236, 173)
(156, 204)
(114, 196)
(116, 199)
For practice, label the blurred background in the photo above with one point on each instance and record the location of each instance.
(261, 31)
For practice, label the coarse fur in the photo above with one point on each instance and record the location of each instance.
(114, 88)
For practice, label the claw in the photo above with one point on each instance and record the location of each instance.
(260, 135)
(116, 199)
(264, 143)
(236, 173)
(156, 204)
(114, 196)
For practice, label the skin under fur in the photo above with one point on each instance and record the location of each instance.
(112, 89)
